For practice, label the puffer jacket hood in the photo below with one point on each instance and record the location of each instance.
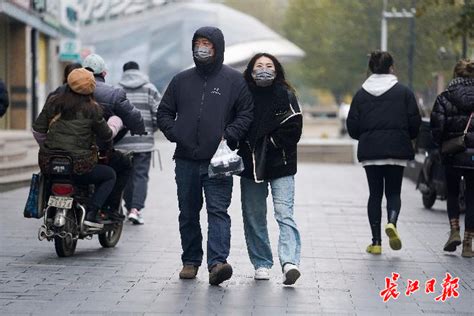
(216, 37)
(133, 79)
(461, 93)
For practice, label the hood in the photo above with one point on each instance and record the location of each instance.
(377, 85)
(461, 93)
(133, 79)
(215, 36)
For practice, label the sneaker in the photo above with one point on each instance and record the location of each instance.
(91, 220)
(394, 239)
(374, 249)
(291, 273)
(219, 273)
(135, 216)
(188, 271)
(262, 274)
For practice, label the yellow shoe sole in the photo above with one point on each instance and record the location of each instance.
(394, 239)
(374, 249)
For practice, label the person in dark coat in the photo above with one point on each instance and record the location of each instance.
(269, 156)
(450, 118)
(71, 121)
(4, 102)
(114, 102)
(384, 118)
(202, 106)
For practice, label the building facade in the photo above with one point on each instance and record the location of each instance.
(37, 39)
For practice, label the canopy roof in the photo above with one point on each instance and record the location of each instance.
(160, 39)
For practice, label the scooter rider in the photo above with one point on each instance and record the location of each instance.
(114, 102)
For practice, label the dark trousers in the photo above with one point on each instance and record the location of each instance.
(103, 177)
(122, 165)
(379, 177)
(137, 185)
(192, 179)
(453, 177)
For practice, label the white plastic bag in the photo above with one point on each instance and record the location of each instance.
(225, 162)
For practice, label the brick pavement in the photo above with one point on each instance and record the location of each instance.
(140, 275)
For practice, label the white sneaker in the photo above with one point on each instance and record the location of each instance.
(291, 273)
(135, 217)
(262, 274)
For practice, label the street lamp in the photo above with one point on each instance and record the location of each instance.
(394, 14)
(403, 14)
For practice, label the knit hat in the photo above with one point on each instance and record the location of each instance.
(81, 81)
(94, 62)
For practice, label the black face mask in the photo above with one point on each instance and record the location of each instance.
(202, 54)
(263, 77)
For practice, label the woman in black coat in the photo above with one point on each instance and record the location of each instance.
(384, 117)
(269, 156)
(451, 117)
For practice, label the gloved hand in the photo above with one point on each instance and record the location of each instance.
(115, 123)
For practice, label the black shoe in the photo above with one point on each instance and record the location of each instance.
(219, 273)
(112, 216)
(92, 221)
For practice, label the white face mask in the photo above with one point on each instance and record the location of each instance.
(202, 54)
(263, 76)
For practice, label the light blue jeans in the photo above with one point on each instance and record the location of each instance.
(254, 211)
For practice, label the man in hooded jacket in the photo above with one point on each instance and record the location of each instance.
(200, 107)
(145, 97)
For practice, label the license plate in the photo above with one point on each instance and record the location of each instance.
(60, 201)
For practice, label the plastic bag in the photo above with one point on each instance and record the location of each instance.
(225, 162)
(33, 207)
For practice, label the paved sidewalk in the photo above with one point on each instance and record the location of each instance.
(140, 275)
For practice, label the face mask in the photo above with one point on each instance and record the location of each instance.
(202, 54)
(263, 77)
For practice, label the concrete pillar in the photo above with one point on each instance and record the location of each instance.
(19, 75)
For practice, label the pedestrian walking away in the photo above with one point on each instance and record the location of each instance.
(200, 107)
(451, 120)
(70, 121)
(114, 102)
(384, 118)
(269, 155)
(145, 97)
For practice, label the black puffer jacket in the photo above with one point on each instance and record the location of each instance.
(269, 150)
(205, 103)
(449, 118)
(385, 124)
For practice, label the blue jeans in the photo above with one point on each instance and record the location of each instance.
(192, 179)
(254, 211)
(137, 185)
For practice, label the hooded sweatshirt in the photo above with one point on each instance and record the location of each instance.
(145, 97)
(205, 103)
(384, 117)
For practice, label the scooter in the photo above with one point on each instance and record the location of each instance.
(65, 211)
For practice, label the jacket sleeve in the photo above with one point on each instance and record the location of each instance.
(101, 129)
(154, 101)
(353, 123)
(130, 115)
(414, 118)
(438, 119)
(167, 111)
(41, 124)
(289, 133)
(243, 106)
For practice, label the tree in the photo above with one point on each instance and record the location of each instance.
(338, 35)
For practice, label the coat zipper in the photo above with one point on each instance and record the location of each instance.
(200, 108)
(284, 157)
